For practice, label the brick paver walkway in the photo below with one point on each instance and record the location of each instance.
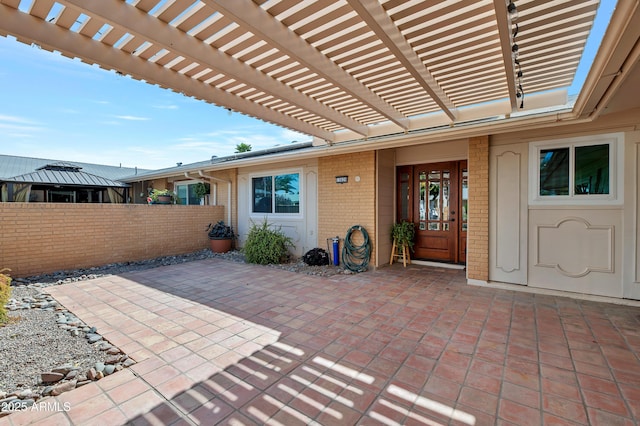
(226, 343)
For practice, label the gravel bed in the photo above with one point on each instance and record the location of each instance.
(33, 343)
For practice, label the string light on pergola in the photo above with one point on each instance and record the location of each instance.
(513, 16)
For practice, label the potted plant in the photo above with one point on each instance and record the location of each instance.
(220, 236)
(160, 196)
(403, 233)
(201, 189)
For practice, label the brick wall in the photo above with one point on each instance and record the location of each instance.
(340, 206)
(45, 237)
(478, 233)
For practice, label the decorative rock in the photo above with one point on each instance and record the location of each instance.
(128, 362)
(99, 366)
(63, 387)
(71, 375)
(51, 377)
(99, 375)
(112, 359)
(3, 395)
(25, 394)
(81, 378)
(27, 402)
(113, 351)
(82, 383)
(92, 374)
(93, 337)
(109, 369)
(64, 369)
(8, 401)
(104, 346)
(47, 391)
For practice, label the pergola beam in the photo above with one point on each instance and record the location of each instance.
(136, 22)
(253, 18)
(506, 42)
(54, 38)
(377, 19)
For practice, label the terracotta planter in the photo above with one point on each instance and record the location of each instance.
(164, 199)
(220, 246)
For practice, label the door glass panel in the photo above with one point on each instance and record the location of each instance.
(194, 200)
(404, 201)
(434, 195)
(434, 226)
(446, 182)
(465, 198)
(182, 194)
(423, 200)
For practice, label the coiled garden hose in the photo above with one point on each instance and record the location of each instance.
(356, 258)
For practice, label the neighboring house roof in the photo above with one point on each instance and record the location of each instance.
(264, 154)
(65, 174)
(44, 171)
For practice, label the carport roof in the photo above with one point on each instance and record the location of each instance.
(334, 69)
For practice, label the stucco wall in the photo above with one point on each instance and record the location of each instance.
(301, 227)
(45, 237)
(341, 206)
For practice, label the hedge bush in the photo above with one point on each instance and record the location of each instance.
(5, 294)
(266, 246)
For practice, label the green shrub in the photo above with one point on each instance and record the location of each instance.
(266, 246)
(5, 294)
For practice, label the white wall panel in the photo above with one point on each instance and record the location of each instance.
(508, 213)
(576, 249)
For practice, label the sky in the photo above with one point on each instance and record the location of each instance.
(53, 107)
(56, 108)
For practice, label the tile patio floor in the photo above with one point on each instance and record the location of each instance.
(227, 343)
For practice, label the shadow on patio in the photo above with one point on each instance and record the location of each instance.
(222, 342)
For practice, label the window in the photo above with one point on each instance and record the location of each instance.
(576, 170)
(186, 194)
(276, 194)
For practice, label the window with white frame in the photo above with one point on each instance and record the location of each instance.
(576, 170)
(276, 194)
(186, 193)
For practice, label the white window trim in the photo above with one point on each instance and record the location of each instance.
(616, 170)
(272, 173)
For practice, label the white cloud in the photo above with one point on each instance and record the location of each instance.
(165, 106)
(293, 136)
(132, 118)
(16, 119)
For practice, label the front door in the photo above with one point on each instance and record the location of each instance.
(434, 197)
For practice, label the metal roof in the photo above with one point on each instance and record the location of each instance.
(338, 70)
(66, 174)
(11, 166)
